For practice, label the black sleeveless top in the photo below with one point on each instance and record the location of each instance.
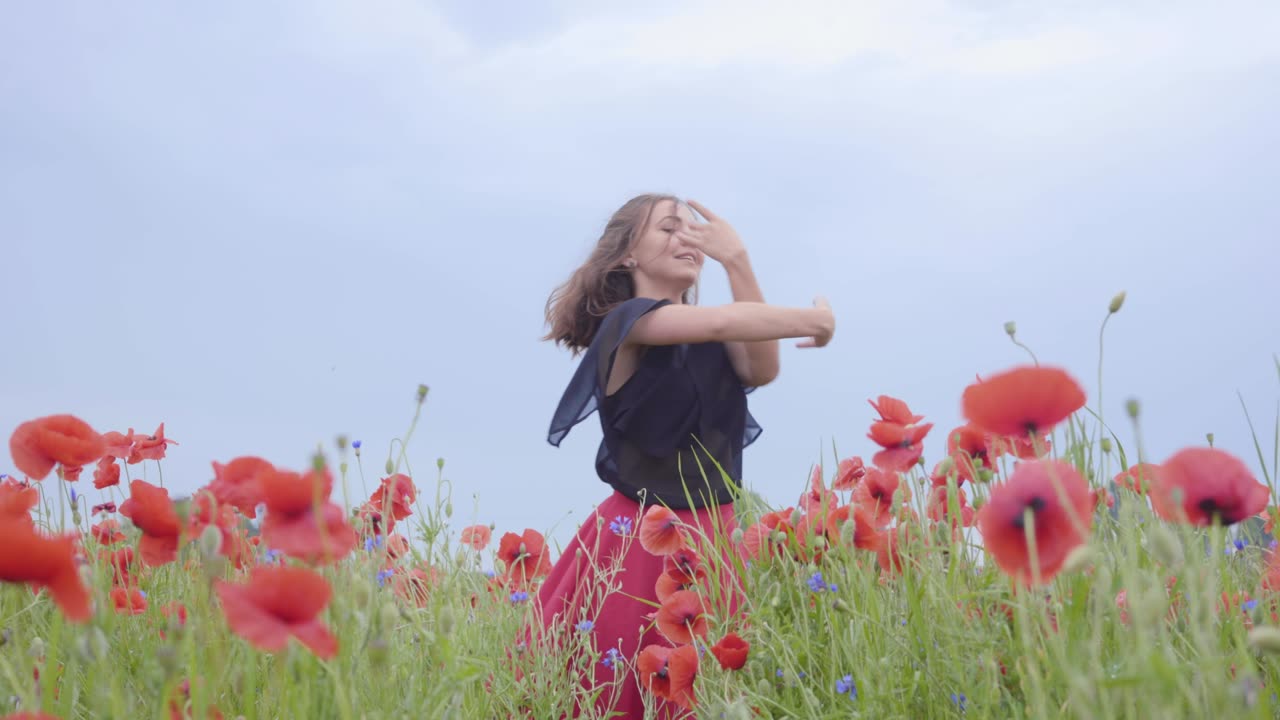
(683, 412)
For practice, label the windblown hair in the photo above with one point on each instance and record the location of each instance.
(576, 308)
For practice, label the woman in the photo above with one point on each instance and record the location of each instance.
(670, 380)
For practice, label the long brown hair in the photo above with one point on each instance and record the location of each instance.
(576, 307)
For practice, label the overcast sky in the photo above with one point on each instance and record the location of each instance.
(265, 223)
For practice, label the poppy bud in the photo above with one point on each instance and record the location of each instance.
(1117, 302)
(448, 508)
(342, 467)
(1011, 328)
(1209, 437)
(379, 650)
(446, 621)
(209, 542)
(422, 393)
(1078, 559)
(795, 517)
(36, 650)
(848, 532)
(362, 594)
(736, 536)
(984, 475)
(167, 656)
(1164, 546)
(391, 467)
(1265, 638)
(342, 442)
(946, 466)
(439, 463)
(1131, 407)
(388, 615)
(739, 710)
(1105, 445)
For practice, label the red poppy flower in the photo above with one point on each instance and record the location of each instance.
(1199, 485)
(970, 449)
(903, 444)
(278, 603)
(524, 556)
(149, 447)
(151, 510)
(865, 536)
(301, 522)
(674, 580)
(118, 445)
(107, 474)
(817, 500)
(1137, 478)
(236, 483)
(894, 410)
(669, 673)
(396, 495)
(682, 617)
(128, 600)
(875, 495)
(16, 501)
(477, 536)
(1101, 497)
(44, 562)
(1034, 485)
(849, 473)
(731, 651)
(107, 532)
(37, 445)
(660, 531)
(122, 564)
(1022, 401)
(105, 508)
(939, 507)
(415, 585)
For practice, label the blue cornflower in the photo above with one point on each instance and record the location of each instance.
(74, 496)
(959, 701)
(816, 584)
(270, 555)
(519, 596)
(383, 575)
(621, 525)
(355, 444)
(585, 626)
(846, 685)
(832, 587)
(611, 658)
(372, 542)
(1240, 543)
(4, 476)
(1249, 605)
(143, 593)
(490, 573)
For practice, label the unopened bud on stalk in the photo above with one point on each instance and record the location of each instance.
(1011, 328)
(342, 442)
(391, 467)
(1105, 444)
(1117, 302)
(342, 467)
(36, 650)
(1078, 559)
(848, 532)
(1164, 546)
(795, 517)
(422, 393)
(946, 466)
(379, 650)
(1132, 407)
(448, 508)
(1265, 638)
(1209, 437)
(209, 542)
(736, 536)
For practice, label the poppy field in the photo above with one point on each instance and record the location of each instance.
(1024, 564)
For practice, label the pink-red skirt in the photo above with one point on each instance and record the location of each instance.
(604, 584)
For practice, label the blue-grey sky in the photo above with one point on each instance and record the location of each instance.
(265, 223)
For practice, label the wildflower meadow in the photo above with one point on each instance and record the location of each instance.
(1027, 564)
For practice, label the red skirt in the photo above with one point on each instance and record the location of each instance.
(606, 578)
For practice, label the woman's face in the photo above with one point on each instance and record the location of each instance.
(661, 259)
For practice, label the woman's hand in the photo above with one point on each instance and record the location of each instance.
(716, 238)
(827, 325)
